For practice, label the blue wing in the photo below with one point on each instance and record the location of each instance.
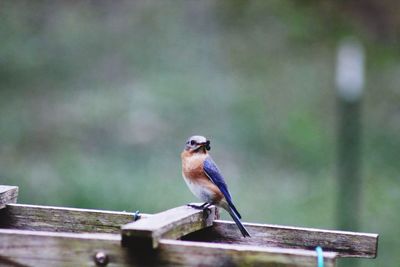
(215, 176)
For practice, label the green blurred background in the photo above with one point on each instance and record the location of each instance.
(97, 99)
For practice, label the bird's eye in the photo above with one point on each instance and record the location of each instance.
(192, 142)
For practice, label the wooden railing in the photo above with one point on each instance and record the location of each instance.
(56, 236)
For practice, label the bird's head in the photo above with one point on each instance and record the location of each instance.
(197, 143)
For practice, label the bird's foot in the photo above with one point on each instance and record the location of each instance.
(198, 207)
(204, 207)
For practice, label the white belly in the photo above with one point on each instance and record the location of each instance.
(200, 192)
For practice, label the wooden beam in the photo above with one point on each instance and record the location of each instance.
(346, 244)
(172, 223)
(57, 219)
(31, 248)
(8, 194)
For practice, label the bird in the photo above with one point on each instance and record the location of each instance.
(205, 180)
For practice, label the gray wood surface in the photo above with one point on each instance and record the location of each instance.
(57, 219)
(346, 244)
(32, 248)
(172, 223)
(8, 194)
(56, 236)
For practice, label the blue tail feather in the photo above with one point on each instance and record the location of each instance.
(234, 209)
(239, 224)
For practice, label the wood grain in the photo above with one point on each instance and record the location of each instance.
(72, 237)
(32, 248)
(181, 253)
(8, 194)
(172, 223)
(57, 219)
(346, 244)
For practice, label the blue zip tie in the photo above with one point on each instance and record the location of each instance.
(320, 256)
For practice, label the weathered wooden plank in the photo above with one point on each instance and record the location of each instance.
(172, 223)
(8, 194)
(32, 248)
(346, 244)
(206, 254)
(57, 219)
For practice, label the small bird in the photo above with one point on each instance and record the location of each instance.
(204, 179)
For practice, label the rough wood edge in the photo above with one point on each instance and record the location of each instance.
(55, 208)
(373, 235)
(172, 223)
(8, 194)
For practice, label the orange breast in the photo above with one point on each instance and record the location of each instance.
(192, 169)
(192, 165)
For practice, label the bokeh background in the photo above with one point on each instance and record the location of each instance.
(97, 99)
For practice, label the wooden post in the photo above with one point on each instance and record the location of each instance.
(349, 82)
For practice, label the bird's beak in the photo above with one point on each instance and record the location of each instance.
(206, 145)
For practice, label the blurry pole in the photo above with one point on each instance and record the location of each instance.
(349, 83)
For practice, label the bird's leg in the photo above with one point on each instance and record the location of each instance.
(207, 209)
